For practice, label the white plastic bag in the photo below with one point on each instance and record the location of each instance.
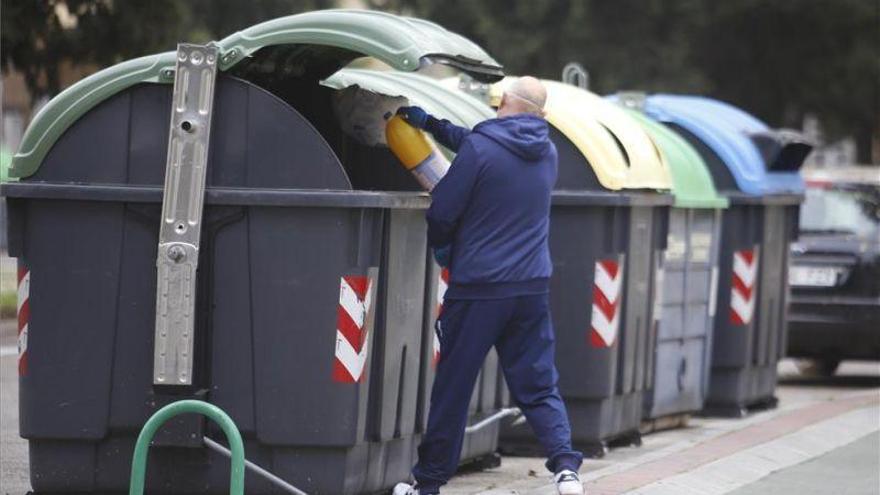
(361, 113)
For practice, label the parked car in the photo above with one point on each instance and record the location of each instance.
(835, 272)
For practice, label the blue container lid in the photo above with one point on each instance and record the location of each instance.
(724, 131)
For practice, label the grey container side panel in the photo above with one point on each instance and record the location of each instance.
(769, 310)
(740, 230)
(715, 255)
(732, 353)
(683, 352)
(665, 358)
(649, 229)
(792, 219)
(74, 293)
(579, 237)
(295, 297)
(772, 311)
(637, 279)
(429, 342)
(397, 348)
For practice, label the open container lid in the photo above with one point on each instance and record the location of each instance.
(445, 100)
(725, 133)
(325, 41)
(588, 121)
(691, 181)
(437, 99)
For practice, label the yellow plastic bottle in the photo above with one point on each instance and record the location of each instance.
(412, 147)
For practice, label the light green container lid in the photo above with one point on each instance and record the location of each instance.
(404, 43)
(5, 162)
(692, 184)
(435, 98)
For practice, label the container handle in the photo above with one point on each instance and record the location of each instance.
(575, 74)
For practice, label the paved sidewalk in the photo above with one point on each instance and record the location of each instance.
(718, 456)
(853, 469)
(13, 450)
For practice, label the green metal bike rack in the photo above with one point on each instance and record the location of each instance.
(236, 446)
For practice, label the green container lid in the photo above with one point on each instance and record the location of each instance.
(435, 98)
(5, 162)
(404, 43)
(692, 184)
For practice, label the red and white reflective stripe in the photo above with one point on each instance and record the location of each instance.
(742, 293)
(436, 358)
(607, 283)
(352, 338)
(442, 285)
(24, 317)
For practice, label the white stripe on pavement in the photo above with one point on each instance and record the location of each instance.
(750, 465)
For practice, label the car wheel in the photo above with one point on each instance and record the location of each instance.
(818, 367)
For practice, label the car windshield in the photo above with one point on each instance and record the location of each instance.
(849, 210)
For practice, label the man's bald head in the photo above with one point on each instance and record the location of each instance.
(525, 95)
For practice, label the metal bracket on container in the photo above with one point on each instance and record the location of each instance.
(181, 226)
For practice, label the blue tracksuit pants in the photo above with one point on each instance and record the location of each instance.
(522, 333)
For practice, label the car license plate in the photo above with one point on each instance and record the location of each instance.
(808, 276)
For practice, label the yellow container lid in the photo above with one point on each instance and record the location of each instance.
(622, 154)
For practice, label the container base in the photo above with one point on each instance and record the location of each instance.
(488, 461)
(739, 411)
(670, 422)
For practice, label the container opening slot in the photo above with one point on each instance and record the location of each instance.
(619, 145)
(293, 74)
(721, 175)
(575, 171)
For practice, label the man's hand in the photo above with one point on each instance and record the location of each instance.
(415, 116)
(442, 255)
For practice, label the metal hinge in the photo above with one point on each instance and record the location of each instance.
(183, 200)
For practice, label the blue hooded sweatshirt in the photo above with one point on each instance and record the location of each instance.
(493, 206)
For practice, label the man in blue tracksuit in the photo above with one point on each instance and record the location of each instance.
(489, 222)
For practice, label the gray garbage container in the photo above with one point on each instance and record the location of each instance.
(308, 307)
(764, 193)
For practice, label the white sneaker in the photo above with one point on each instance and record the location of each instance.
(405, 489)
(567, 483)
